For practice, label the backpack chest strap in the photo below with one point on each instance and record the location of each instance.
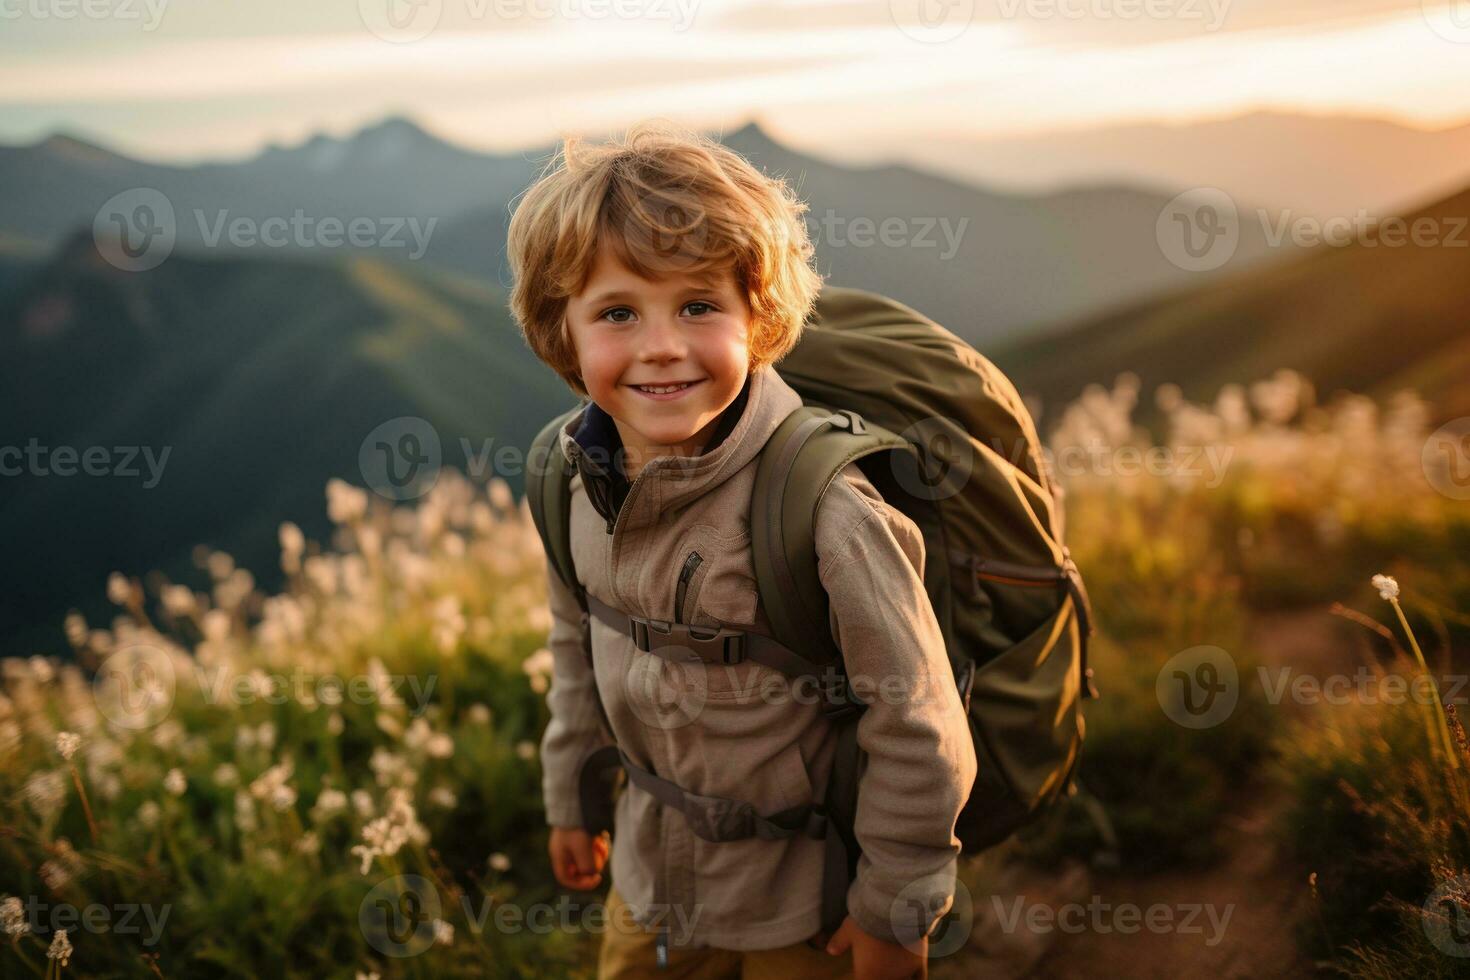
(719, 819)
(680, 642)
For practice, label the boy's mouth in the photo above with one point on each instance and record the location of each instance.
(667, 392)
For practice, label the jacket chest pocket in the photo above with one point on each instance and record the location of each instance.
(716, 587)
(686, 592)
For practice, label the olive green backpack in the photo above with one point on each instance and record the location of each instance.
(944, 436)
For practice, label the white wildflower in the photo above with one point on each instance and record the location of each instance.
(499, 862)
(386, 835)
(42, 670)
(526, 749)
(168, 734)
(478, 714)
(538, 667)
(245, 817)
(148, 815)
(220, 564)
(45, 792)
(500, 494)
(283, 798)
(293, 542)
(362, 802)
(309, 843)
(443, 796)
(175, 782)
(443, 932)
(328, 804)
(226, 775)
(60, 949)
(55, 875)
(345, 503)
(13, 917)
(118, 589)
(391, 726)
(1387, 586)
(178, 600)
(449, 623)
(335, 723)
(67, 744)
(75, 628)
(272, 785)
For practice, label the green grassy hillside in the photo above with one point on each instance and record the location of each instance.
(261, 379)
(1367, 317)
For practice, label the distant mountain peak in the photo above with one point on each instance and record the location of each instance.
(75, 149)
(384, 143)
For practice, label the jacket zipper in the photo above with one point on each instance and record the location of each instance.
(691, 564)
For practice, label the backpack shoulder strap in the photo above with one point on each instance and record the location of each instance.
(798, 464)
(548, 494)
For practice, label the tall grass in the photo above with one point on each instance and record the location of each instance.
(1382, 816)
(244, 806)
(261, 819)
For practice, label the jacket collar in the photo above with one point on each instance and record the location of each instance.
(590, 441)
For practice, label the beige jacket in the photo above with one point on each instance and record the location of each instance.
(743, 731)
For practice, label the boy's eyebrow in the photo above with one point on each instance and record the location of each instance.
(696, 283)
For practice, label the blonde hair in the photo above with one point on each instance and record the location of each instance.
(665, 199)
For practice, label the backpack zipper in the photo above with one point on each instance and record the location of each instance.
(691, 564)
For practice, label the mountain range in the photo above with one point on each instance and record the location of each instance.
(1027, 260)
(1322, 166)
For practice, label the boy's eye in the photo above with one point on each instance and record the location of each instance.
(612, 314)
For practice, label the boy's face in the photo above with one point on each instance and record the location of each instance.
(630, 331)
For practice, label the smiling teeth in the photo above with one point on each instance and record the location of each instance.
(664, 390)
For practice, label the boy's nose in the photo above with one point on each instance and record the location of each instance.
(661, 339)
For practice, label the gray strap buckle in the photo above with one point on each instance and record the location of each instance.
(665, 639)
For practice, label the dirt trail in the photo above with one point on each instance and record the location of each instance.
(1264, 896)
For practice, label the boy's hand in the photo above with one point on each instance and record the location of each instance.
(577, 857)
(875, 959)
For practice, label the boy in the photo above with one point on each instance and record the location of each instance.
(662, 276)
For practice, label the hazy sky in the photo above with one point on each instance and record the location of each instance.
(191, 80)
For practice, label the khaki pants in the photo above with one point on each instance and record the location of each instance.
(629, 955)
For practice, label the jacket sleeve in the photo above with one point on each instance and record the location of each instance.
(575, 729)
(920, 756)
